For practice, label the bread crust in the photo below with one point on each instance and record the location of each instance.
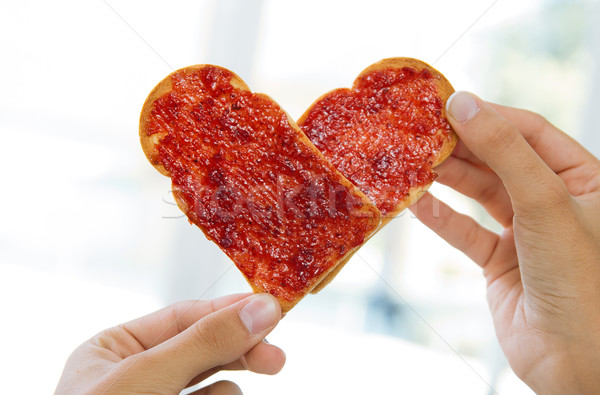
(150, 142)
(445, 90)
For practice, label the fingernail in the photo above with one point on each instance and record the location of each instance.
(259, 314)
(462, 106)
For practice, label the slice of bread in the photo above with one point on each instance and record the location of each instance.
(386, 134)
(246, 175)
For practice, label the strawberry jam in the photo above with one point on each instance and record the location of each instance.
(383, 133)
(254, 184)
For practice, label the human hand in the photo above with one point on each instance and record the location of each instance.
(543, 270)
(177, 347)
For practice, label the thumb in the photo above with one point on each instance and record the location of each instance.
(215, 340)
(528, 179)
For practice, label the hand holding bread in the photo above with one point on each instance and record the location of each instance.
(543, 269)
(177, 347)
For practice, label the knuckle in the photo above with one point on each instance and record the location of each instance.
(471, 237)
(486, 195)
(541, 125)
(106, 339)
(537, 119)
(504, 135)
(453, 173)
(211, 336)
(550, 196)
(556, 194)
(176, 315)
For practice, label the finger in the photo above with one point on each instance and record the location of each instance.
(556, 148)
(529, 181)
(459, 230)
(480, 184)
(462, 152)
(576, 166)
(162, 325)
(215, 340)
(264, 358)
(219, 388)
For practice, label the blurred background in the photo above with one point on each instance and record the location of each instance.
(90, 235)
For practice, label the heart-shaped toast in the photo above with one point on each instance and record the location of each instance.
(386, 133)
(287, 213)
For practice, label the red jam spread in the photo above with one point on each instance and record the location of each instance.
(274, 205)
(383, 133)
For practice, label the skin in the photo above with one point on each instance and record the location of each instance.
(176, 347)
(542, 272)
(543, 269)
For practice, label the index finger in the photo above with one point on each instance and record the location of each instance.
(164, 324)
(560, 151)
